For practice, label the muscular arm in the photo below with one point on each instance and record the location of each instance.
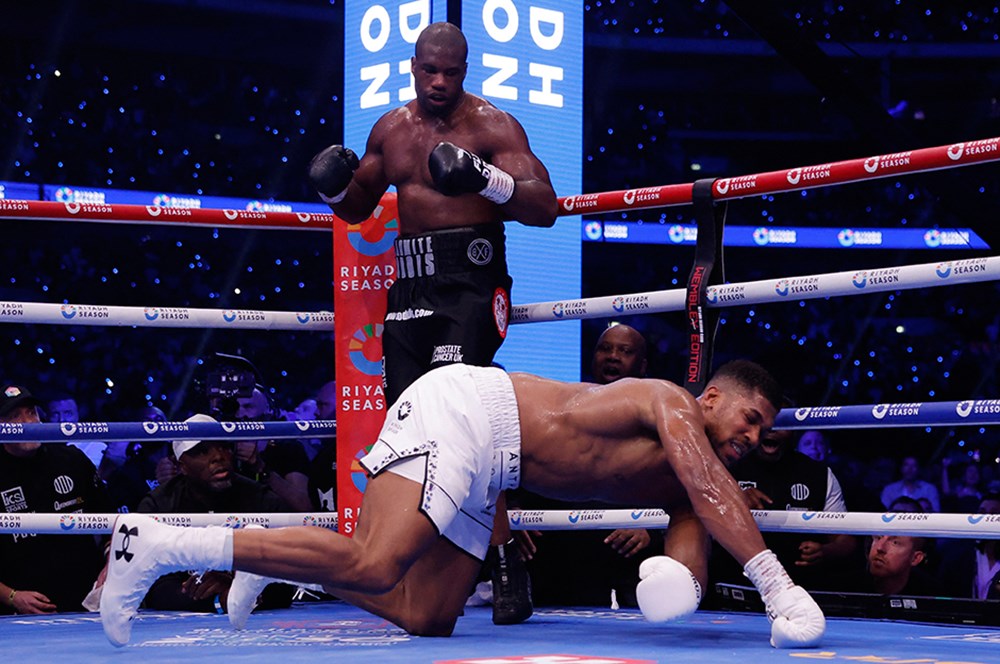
(369, 183)
(715, 497)
(534, 201)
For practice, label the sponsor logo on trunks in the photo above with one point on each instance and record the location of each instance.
(480, 251)
(63, 484)
(404, 410)
(14, 499)
(958, 150)
(448, 354)
(978, 407)
(799, 491)
(886, 161)
(501, 311)
(415, 257)
(366, 340)
(935, 238)
(879, 411)
(373, 239)
(797, 175)
(593, 230)
(409, 314)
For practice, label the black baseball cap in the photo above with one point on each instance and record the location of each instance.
(14, 396)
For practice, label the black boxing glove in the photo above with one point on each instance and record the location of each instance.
(456, 171)
(331, 171)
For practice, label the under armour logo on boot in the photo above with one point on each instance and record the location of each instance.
(128, 533)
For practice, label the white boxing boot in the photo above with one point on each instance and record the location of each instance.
(142, 550)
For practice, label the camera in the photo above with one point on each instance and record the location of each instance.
(227, 379)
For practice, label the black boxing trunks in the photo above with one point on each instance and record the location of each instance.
(450, 303)
(456, 431)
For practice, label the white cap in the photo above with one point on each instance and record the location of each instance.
(182, 446)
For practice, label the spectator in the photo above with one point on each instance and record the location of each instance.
(207, 483)
(777, 476)
(591, 568)
(45, 573)
(965, 495)
(911, 485)
(897, 566)
(814, 445)
(62, 407)
(280, 464)
(971, 568)
(147, 464)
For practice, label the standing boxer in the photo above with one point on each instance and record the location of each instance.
(460, 166)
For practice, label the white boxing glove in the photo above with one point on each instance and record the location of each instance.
(668, 590)
(796, 619)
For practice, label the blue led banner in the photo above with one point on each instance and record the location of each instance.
(838, 237)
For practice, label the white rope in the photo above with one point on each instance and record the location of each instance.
(172, 317)
(789, 289)
(962, 526)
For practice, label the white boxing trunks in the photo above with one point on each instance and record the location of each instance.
(455, 431)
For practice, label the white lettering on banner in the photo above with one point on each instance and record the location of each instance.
(506, 67)
(546, 26)
(377, 74)
(545, 96)
(375, 32)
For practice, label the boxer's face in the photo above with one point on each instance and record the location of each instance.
(736, 419)
(438, 76)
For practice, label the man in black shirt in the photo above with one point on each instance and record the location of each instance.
(45, 573)
(207, 483)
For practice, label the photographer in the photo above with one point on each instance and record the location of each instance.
(234, 393)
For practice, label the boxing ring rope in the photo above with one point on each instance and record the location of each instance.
(765, 291)
(961, 526)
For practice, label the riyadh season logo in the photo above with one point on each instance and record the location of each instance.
(303, 318)
(781, 287)
(879, 410)
(860, 279)
(593, 230)
(846, 237)
(67, 522)
(557, 309)
(373, 239)
(964, 408)
(618, 304)
(943, 270)
(760, 235)
(676, 233)
(68, 311)
(932, 238)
